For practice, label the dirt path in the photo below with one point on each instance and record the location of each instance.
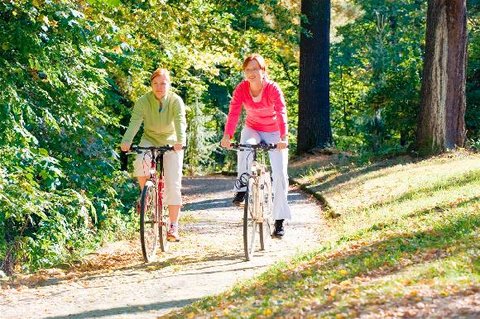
(115, 283)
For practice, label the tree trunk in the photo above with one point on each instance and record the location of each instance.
(441, 123)
(314, 130)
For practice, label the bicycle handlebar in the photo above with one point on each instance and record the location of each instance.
(261, 146)
(135, 149)
(164, 148)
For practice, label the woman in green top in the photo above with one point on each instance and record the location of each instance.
(162, 113)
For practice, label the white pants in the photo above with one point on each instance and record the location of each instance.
(278, 162)
(172, 168)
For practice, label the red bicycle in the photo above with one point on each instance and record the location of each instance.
(153, 212)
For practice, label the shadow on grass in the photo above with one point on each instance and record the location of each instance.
(323, 269)
(468, 178)
(389, 251)
(346, 173)
(455, 305)
(423, 212)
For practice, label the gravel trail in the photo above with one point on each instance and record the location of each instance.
(115, 283)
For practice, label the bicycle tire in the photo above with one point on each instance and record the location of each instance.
(261, 208)
(261, 233)
(149, 222)
(268, 204)
(163, 228)
(250, 224)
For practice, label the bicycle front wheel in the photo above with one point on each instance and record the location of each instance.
(149, 221)
(163, 228)
(250, 224)
(266, 204)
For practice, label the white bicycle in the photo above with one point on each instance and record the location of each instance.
(258, 209)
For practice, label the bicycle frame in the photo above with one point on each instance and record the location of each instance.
(258, 170)
(157, 177)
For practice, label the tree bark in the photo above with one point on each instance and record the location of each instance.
(441, 124)
(314, 128)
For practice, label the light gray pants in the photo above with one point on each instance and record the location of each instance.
(278, 162)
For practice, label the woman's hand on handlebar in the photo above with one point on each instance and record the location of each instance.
(225, 142)
(125, 147)
(177, 147)
(282, 144)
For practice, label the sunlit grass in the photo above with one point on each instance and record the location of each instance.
(188, 217)
(408, 233)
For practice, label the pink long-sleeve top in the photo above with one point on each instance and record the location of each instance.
(267, 115)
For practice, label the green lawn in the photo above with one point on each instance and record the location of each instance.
(406, 243)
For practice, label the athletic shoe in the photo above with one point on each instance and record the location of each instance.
(279, 230)
(239, 198)
(172, 234)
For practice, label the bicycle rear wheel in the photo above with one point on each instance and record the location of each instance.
(149, 221)
(250, 224)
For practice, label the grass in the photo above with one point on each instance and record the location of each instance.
(406, 242)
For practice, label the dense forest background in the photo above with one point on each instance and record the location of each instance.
(71, 71)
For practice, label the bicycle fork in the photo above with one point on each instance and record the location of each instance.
(256, 174)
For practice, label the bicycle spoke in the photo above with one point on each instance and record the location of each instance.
(149, 222)
(251, 219)
(163, 229)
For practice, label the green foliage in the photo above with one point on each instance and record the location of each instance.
(56, 134)
(376, 74)
(376, 70)
(202, 141)
(71, 70)
(472, 117)
(70, 73)
(474, 144)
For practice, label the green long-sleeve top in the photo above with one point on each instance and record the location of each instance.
(163, 121)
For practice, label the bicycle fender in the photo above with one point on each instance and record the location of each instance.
(149, 183)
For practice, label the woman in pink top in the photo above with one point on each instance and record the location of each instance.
(266, 121)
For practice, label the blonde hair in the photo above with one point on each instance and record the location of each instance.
(159, 72)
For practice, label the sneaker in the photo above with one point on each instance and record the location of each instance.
(172, 234)
(279, 230)
(239, 198)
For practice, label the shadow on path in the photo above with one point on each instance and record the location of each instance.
(208, 204)
(128, 309)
